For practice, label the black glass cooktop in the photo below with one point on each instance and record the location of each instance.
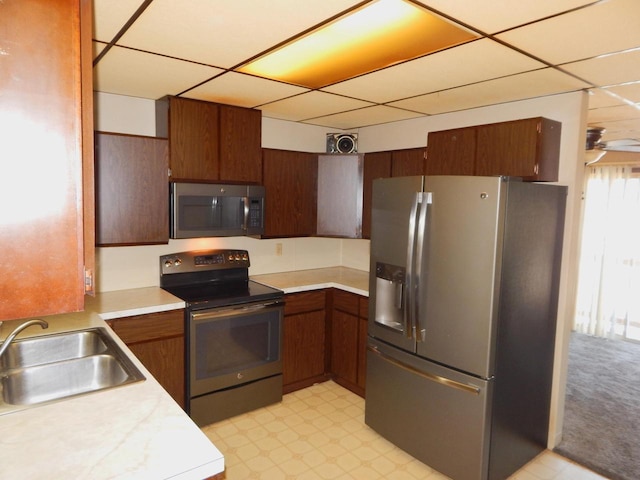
(224, 293)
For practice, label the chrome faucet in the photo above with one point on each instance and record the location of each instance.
(18, 329)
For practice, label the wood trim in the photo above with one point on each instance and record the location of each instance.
(88, 188)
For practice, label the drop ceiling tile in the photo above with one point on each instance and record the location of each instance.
(310, 105)
(224, 34)
(496, 15)
(599, 98)
(137, 74)
(517, 87)
(625, 112)
(611, 26)
(109, 17)
(243, 90)
(608, 69)
(629, 91)
(453, 67)
(363, 117)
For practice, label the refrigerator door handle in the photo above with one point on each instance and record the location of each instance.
(409, 296)
(429, 376)
(426, 199)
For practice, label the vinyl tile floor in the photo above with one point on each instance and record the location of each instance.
(319, 433)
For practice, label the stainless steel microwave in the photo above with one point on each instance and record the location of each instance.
(216, 210)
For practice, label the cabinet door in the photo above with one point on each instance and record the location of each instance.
(451, 152)
(376, 165)
(528, 148)
(131, 189)
(304, 359)
(344, 342)
(291, 186)
(408, 162)
(303, 346)
(41, 145)
(157, 340)
(362, 352)
(194, 139)
(240, 144)
(363, 316)
(344, 336)
(164, 359)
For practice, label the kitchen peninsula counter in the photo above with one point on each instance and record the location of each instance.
(134, 431)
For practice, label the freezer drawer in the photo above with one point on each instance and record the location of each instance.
(436, 414)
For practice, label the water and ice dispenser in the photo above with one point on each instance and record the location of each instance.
(390, 295)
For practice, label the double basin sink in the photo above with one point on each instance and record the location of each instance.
(60, 365)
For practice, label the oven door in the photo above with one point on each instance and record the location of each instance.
(230, 346)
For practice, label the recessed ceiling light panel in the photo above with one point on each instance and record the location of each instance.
(380, 34)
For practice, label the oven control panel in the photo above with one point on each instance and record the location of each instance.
(185, 262)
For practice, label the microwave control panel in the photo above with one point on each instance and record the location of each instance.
(255, 213)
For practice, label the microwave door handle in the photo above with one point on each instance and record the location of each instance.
(244, 208)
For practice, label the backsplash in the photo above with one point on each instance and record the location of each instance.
(120, 268)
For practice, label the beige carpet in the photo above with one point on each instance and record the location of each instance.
(602, 411)
(319, 433)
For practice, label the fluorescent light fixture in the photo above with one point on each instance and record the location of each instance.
(379, 34)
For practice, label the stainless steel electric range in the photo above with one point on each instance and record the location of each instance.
(233, 333)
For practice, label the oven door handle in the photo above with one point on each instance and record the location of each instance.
(233, 311)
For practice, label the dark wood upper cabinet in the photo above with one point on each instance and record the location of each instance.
(211, 142)
(132, 189)
(46, 117)
(527, 148)
(192, 127)
(408, 162)
(240, 144)
(376, 165)
(451, 152)
(291, 189)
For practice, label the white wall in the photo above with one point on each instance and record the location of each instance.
(131, 267)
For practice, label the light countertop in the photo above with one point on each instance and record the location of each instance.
(134, 431)
(349, 279)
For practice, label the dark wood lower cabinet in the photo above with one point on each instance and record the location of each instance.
(157, 340)
(363, 320)
(304, 340)
(349, 340)
(325, 337)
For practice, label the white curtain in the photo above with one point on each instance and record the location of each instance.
(608, 300)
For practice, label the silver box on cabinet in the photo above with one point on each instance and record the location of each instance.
(340, 195)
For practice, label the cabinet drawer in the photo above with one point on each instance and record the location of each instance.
(345, 301)
(304, 302)
(143, 328)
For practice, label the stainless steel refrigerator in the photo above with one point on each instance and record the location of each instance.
(462, 316)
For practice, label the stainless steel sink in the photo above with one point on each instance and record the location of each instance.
(53, 367)
(52, 348)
